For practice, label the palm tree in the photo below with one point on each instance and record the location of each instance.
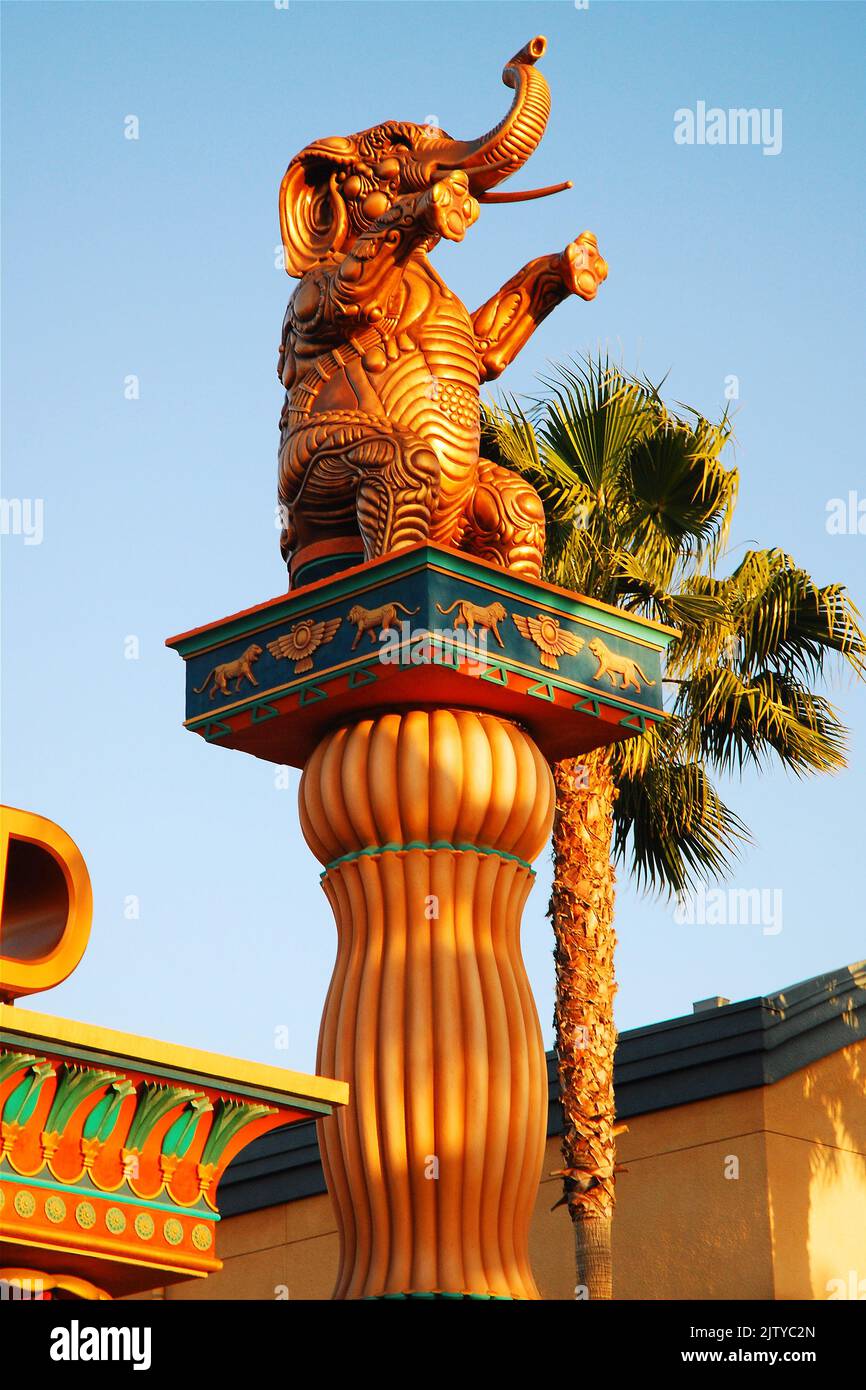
(639, 504)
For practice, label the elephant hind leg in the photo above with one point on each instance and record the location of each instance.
(387, 480)
(397, 492)
(505, 521)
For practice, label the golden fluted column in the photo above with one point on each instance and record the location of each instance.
(427, 822)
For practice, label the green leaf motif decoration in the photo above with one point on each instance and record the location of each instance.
(103, 1117)
(74, 1085)
(10, 1062)
(21, 1103)
(180, 1135)
(230, 1117)
(154, 1102)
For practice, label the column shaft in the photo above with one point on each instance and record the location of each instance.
(428, 822)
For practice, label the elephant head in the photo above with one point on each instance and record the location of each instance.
(336, 188)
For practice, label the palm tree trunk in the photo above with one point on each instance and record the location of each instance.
(581, 910)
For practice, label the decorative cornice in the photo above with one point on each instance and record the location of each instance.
(115, 1165)
(22, 1029)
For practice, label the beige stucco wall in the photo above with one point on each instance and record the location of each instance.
(792, 1219)
(816, 1151)
(683, 1228)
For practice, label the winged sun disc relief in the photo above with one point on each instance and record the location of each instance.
(303, 640)
(550, 639)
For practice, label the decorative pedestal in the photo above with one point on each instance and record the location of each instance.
(427, 823)
(423, 693)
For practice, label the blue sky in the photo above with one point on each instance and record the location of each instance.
(156, 258)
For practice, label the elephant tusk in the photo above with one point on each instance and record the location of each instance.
(525, 196)
(449, 164)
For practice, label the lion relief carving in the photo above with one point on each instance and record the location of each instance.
(471, 615)
(612, 664)
(382, 618)
(238, 670)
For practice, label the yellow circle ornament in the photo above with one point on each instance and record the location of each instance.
(85, 1215)
(202, 1237)
(2, 1199)
(173, 1231)
(144, 1225)
(25, 1203)
(115, 1220)
(55, 1208)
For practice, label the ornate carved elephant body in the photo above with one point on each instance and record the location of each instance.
(382, 363)
(420, 384)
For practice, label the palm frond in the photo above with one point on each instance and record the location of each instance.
(681, 496)
(639, 499)
(733, 722)
(672, 828)
(786, 621)
(591, 419)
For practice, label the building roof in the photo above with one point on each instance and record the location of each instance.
(734, 1047)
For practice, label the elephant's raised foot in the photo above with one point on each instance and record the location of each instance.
(505, 521)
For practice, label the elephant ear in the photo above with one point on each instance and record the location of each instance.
(313, 219)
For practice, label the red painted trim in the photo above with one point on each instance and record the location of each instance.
(337, 545)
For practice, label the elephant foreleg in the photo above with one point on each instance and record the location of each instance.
(507, 321)
(505, 521)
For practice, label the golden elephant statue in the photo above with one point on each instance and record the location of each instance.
(382, 363)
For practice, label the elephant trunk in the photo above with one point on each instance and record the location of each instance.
(505, 148)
